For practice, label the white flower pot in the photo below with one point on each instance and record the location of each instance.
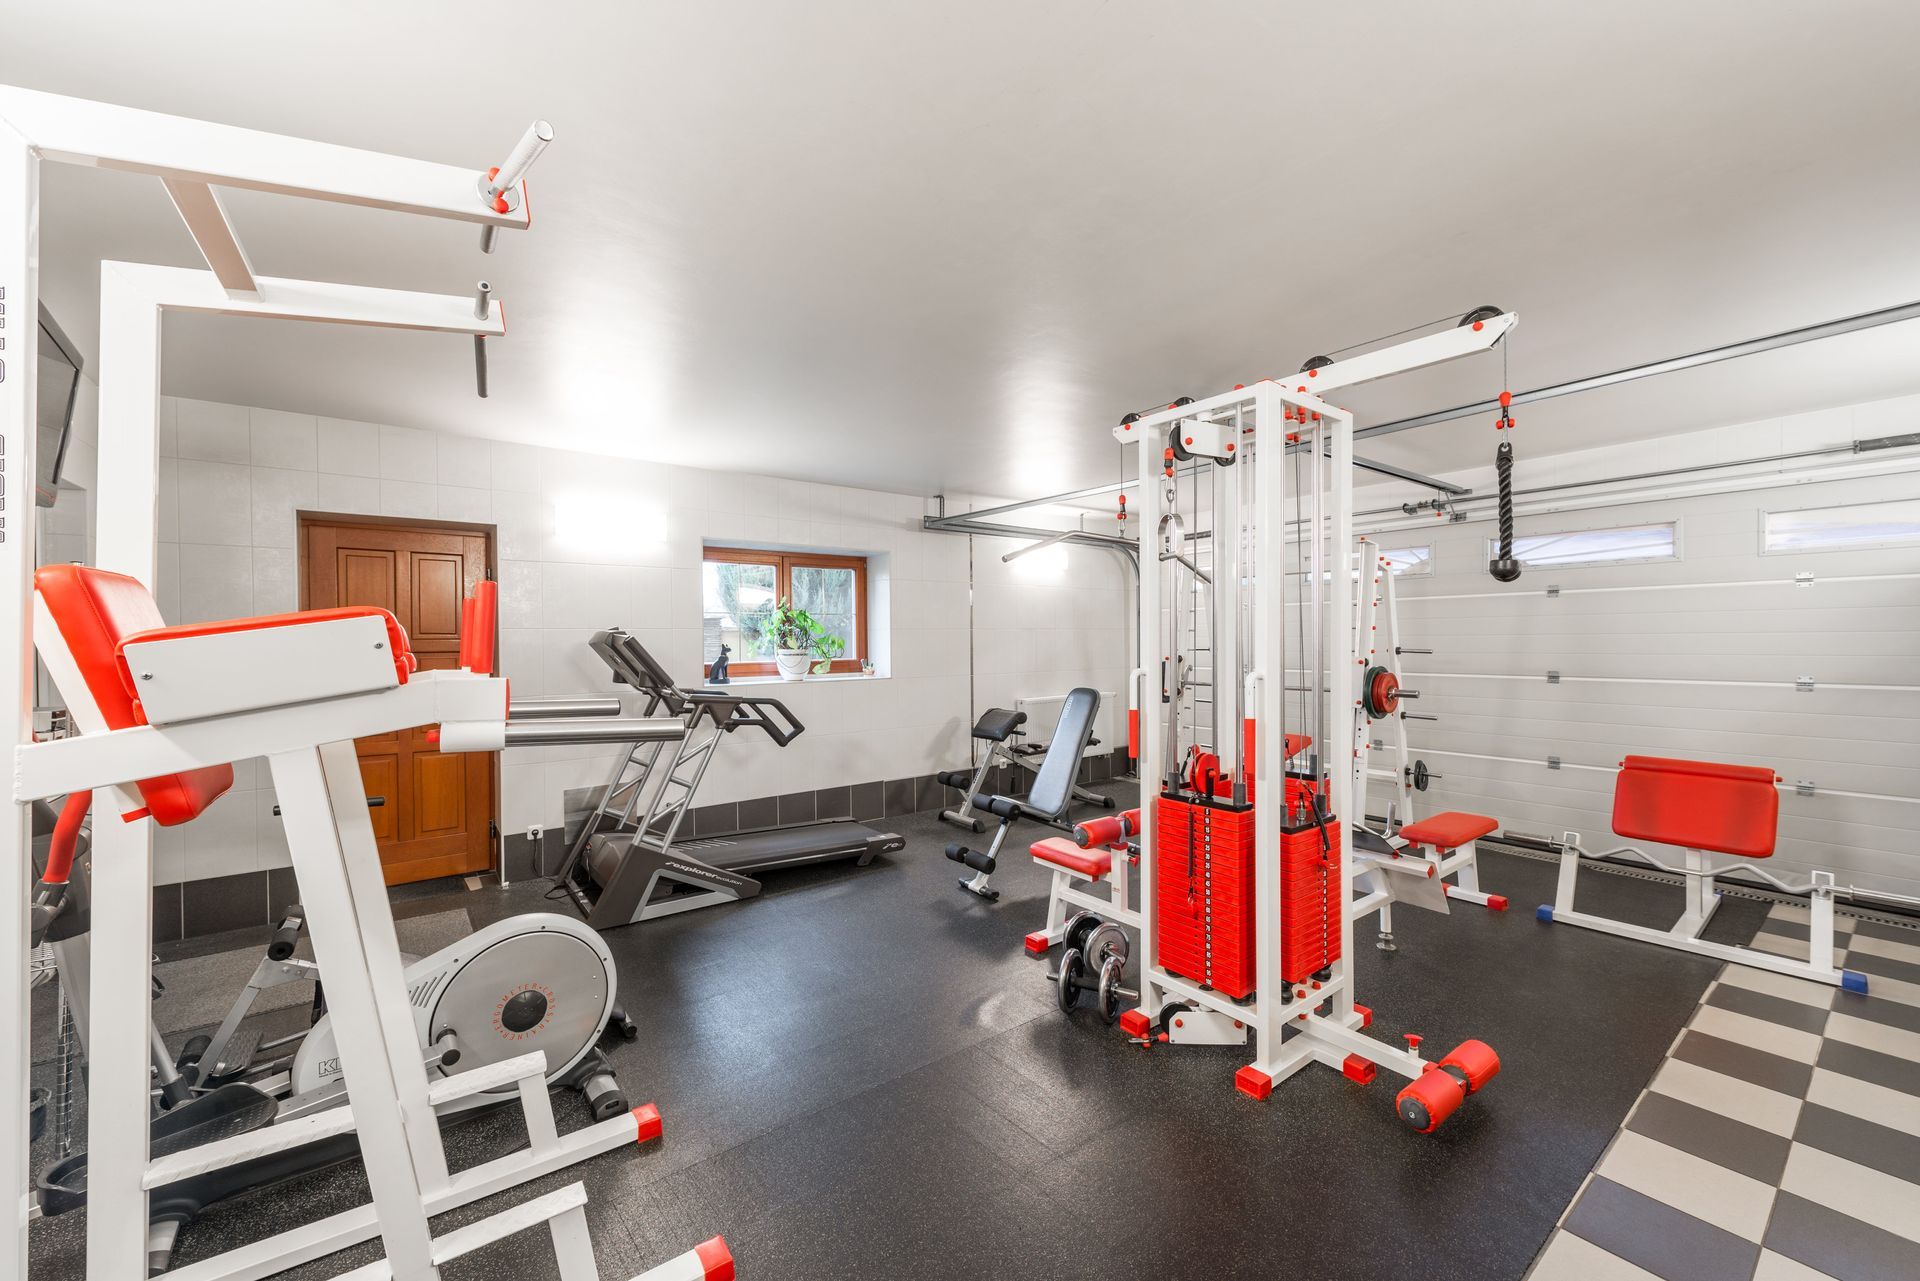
(793, 663)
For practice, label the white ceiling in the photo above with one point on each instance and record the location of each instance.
(895, 246)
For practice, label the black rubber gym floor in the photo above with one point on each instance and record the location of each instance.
(863, 1075)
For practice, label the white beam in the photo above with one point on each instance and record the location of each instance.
(206, 218)
(19, 216)
(76, 131)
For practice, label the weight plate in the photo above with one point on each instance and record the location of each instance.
(1380, 692)
(1107, 940)
(1080, 926)
(1067, 984)
(1110, 972)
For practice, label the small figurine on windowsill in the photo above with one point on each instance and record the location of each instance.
(718, 676)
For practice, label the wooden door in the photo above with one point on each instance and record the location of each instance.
(439, 811)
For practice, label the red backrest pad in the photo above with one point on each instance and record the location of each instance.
(95, 610)
(1728, 809)
(478, 614)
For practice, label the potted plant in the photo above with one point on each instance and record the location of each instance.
(796, 638)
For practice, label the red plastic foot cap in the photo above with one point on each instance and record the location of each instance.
(1037, 944)
(715, 1259)
(1253, 1083)
(1496, 902)
(1365, 1013)
(1359, 1069)
(1135, 1023)
(646, 1119)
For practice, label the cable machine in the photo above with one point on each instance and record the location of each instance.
(1247, 879)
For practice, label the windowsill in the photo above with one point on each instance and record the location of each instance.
(778, 680)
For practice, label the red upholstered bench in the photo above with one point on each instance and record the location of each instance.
(1448, 831)
(1058, 851)
(106, 621)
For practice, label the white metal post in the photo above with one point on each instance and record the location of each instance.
(380, 1097)
(19, 331)
(1154, 667)
(1270, 588)
(1228, 733)
(1346, 652)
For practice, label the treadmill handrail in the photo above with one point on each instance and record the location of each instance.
(747, 711)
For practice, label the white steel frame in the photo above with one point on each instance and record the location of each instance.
(1377, 624)
(308, 745)
(1115, 905)
(1287, 1035)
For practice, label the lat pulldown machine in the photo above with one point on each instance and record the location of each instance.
(1248, 886)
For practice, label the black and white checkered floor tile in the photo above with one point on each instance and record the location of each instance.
(1780, 1140)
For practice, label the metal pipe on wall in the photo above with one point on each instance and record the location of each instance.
(1693, 360)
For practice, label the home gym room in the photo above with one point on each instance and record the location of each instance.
(1084, 640)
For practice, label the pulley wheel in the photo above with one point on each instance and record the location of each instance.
(1067, 984)
(1109, 1003)
(1380, 693)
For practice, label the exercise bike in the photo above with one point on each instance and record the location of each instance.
(535, 982)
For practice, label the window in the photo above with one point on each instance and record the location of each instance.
(1410, 562)
(1819, 529)
(1630, 544)
(740, 586)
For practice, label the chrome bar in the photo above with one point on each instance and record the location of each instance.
(612, 730)
(536, 709)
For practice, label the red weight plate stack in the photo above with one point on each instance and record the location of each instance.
(1203, 893)
(1309, 901)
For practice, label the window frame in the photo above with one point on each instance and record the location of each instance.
(784, 563)
(1493, 544)
(1856, 545)
(1422, 568)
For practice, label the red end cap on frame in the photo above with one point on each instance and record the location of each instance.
(1037, 944)
(1496, 902)
(1135, 1023)
(646, 1120)
(1358, 1069)
(716, 1261)
(1365, 1013)
(1253, 1083)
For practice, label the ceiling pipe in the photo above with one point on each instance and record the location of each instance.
(1710, 356)
(1042, 545)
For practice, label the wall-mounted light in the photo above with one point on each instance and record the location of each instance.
(1042, 561)
(611, 525)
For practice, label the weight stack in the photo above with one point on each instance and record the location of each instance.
(1310, 894)
(1204, 893)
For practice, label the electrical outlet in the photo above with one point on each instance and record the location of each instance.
(535, 832)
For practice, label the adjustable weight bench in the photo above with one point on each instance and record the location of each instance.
(1053, 791)
(1704, 808)
(998, 727)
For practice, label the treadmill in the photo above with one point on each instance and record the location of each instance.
(628, 862)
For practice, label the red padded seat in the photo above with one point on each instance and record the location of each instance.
(98, 613)
(93, 610)
(1449, 830)
(1061, 852)
(1701, 805)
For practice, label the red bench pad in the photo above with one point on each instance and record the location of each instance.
(1061, 852)
(1701, 805)
(1449, 830)
(93, 610)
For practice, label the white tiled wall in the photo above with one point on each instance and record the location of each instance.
(586, 542)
